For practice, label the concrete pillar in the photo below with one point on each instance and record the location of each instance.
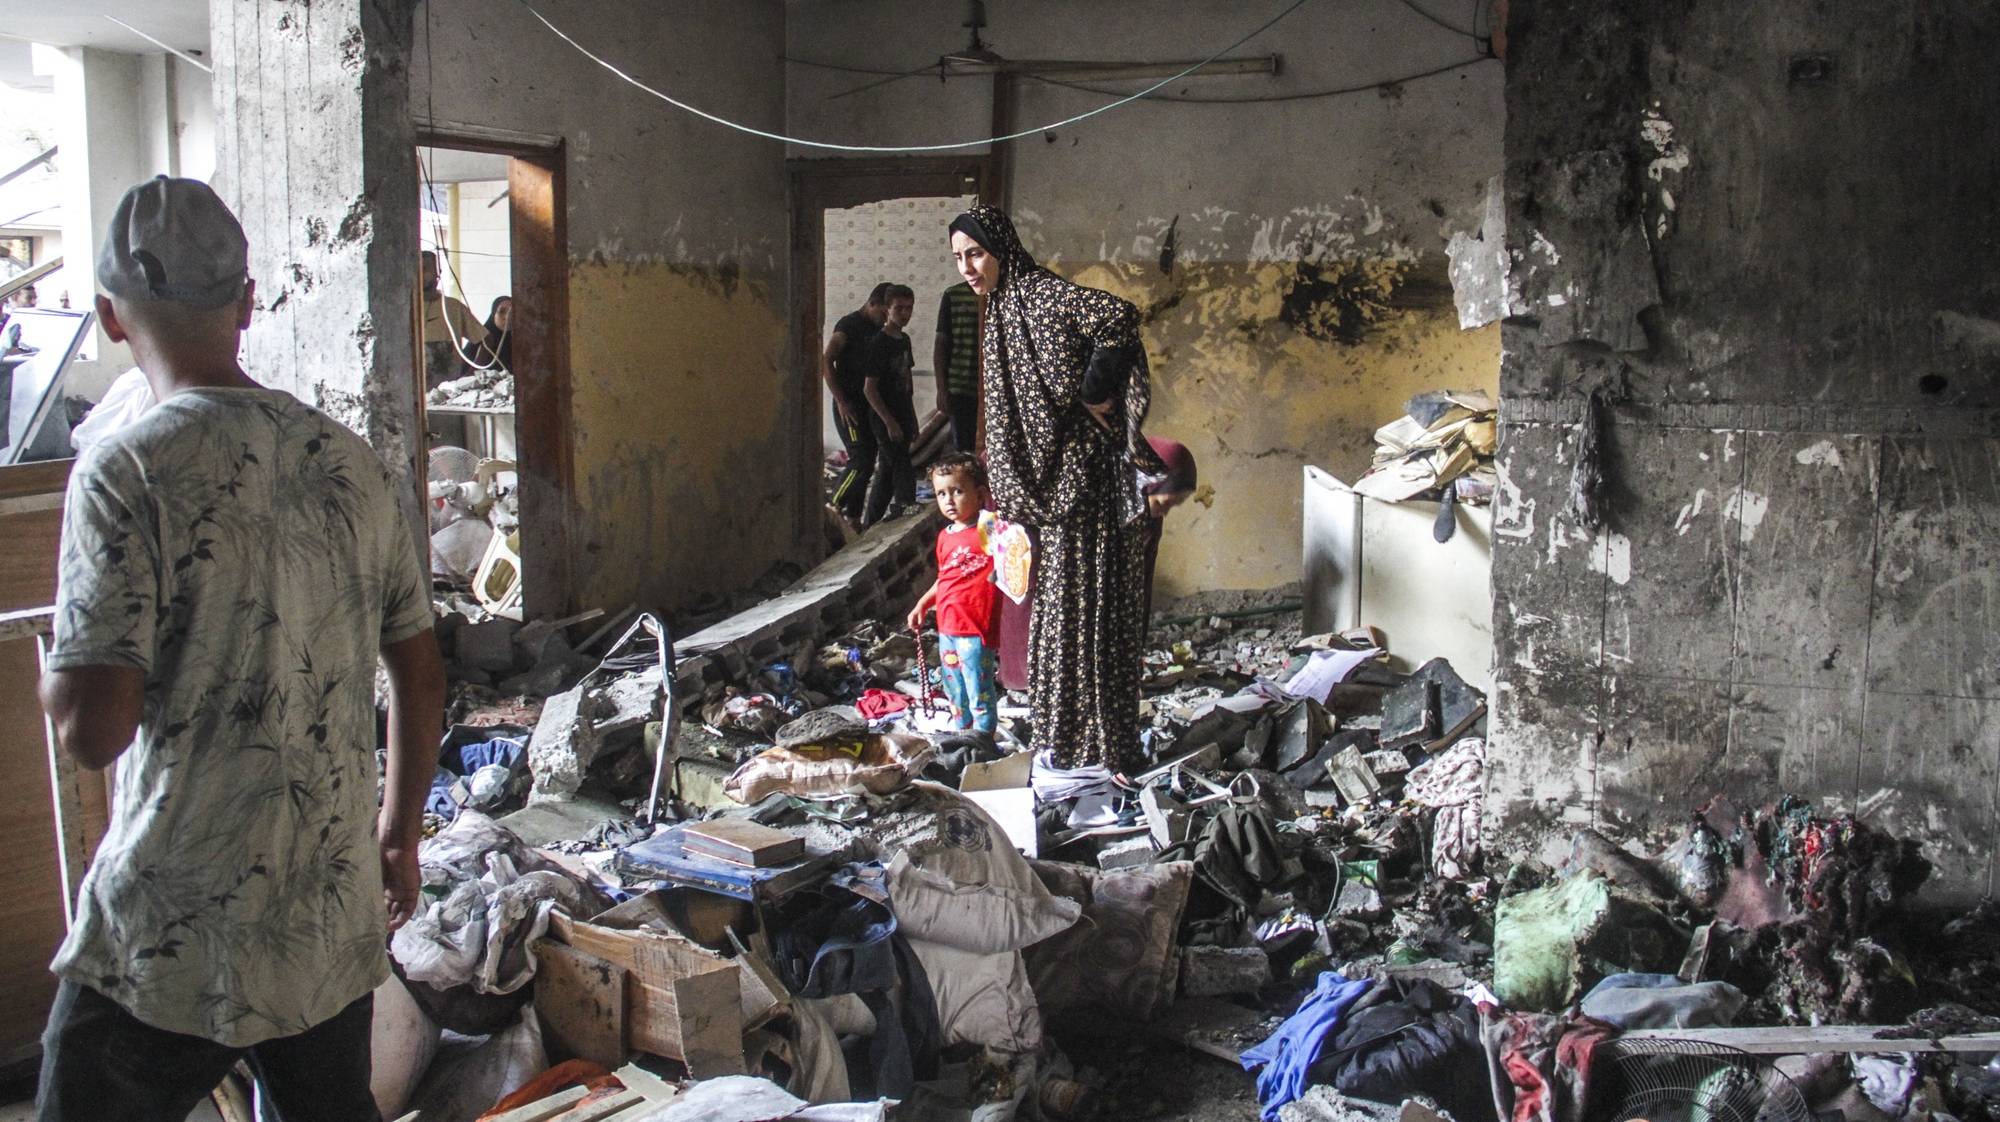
(98, 129)
(315, 151)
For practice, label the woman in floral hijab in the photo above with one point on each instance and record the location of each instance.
(1065, 390)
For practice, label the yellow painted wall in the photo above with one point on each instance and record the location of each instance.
(684, 432)
(1262, 368)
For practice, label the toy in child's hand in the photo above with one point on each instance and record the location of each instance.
(1013, 554)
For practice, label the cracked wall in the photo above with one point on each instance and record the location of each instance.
(1289, 255)
(312, 115)
(1762, 234)
(685, 426)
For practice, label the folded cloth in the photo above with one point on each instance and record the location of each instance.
(1288, 1055)
(1455, 783)
(874, 705)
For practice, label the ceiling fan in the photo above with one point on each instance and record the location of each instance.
(976, 58)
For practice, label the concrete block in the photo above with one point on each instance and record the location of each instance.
(1222, 971)
(1321, 1103)
(1126, 853)
(487, 645)
(564, 744)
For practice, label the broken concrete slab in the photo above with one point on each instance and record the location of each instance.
(1321, 1103)
(1223, 971)
(1126, 853)
(576, 722)
(487, 645)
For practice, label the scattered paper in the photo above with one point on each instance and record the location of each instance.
(1325, 670)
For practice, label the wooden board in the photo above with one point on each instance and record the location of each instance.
(1805, 1040)
(708, 1021)
(541, 1110)
(30, 527)
(581, 1001)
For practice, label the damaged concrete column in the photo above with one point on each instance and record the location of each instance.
(316, 152)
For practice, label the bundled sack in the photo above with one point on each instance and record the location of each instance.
(1120, 960)
(877, 764)
(487, 898)
(955, 878)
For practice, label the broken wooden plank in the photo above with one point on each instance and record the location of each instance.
(541, 1110)
(606, 1108)
(708, 1023)
(1804, 1040)
(581, 1001)
(656, 1089)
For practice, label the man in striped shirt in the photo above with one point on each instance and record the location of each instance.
(955, 359)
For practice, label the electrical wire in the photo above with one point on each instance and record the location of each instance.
(438, 234)
(1037, 130)
(180, 54)
(1440, 21)
(1266, 98)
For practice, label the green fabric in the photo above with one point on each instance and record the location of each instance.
(1537, 938)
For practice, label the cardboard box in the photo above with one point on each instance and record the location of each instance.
(664, 993)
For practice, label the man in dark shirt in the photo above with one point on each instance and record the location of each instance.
(955, 359)
(841, 367)
(892, 413)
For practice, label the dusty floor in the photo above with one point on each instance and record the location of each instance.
(1148, 1080)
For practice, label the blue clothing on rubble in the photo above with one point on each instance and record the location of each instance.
(1287, 1056)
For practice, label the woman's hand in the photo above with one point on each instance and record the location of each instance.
(1101, 413)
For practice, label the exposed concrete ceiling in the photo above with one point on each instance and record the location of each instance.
(182, 24)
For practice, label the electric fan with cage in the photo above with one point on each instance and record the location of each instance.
(1663, 1079)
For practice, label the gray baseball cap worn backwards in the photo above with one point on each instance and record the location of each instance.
(173, 239)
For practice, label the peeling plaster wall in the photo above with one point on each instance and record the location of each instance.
(1308, 297)
(685, 431)
(311, 116)
(1766, 232)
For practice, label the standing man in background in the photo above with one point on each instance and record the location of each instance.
(843, 366)
(955, 361)
(233, 565)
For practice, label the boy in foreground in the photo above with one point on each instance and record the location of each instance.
(964, 595)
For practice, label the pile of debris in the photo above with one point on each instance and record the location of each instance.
(1442, 448)
(482, 389)
(799, 884)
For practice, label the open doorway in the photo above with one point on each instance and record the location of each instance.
(492, 367)
(863, 223)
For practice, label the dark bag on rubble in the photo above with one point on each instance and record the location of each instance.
(1409, 1038)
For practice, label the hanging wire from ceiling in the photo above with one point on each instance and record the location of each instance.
(1259, 99)
(955, 146)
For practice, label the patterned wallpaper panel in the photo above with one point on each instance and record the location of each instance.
(902, 241)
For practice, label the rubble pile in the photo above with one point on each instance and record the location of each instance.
(481, 389)
(867, 906)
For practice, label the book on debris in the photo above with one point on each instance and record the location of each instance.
(743, 842)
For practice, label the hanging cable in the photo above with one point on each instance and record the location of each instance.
(1439, 20)
(438, 235)
(1263, 98)
(1037, 130)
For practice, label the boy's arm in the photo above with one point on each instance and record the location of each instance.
(834, 343)
(924, 605)
(872, 390)
(94, 710)
(416, 713)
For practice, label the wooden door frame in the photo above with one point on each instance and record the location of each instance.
(538, 242)
(816, 186)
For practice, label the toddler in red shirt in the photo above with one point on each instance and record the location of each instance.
(964, 595)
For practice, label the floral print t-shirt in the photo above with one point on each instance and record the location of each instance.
(249, 555)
